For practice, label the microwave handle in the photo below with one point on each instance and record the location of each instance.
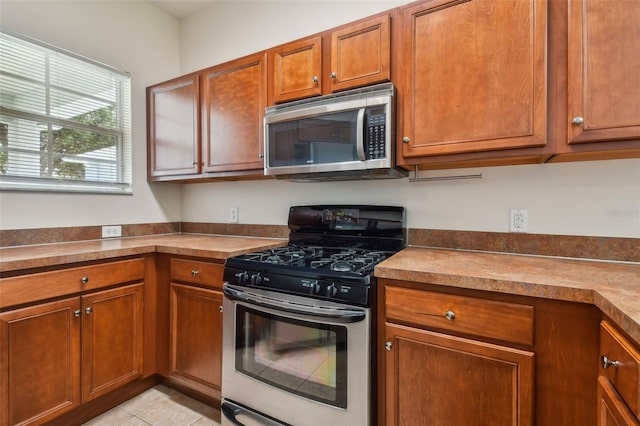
(360, 135)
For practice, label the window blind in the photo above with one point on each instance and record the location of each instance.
(65, 120)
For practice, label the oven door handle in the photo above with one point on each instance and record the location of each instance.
(240, 416)
(345, 315)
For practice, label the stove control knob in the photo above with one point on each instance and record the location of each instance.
(332, 290)
(256, 279)
(316, 288)
(243, 277)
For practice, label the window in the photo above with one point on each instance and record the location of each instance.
(65, 121)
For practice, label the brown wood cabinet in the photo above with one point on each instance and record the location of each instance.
(190, 348)
(474, 77)
(173, 128)
(208, 125)
(112, 339)
(619, 379)
(603, 71)
(234, 96)
(429, 374)
(56, 356)
(512, 360)
(39, 362)
(350, 56)
(196, 338)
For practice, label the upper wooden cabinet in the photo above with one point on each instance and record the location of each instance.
(604, 70)
(473, 76)
(208, 124)
(361, 54)
(297, 69)
(350, 56)
(233, 100)
(173, 130)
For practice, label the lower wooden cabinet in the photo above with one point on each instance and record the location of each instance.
(39, 362)
(112, 339)
(434, 378)
(55, 356)
(619, 379)
(196, 338)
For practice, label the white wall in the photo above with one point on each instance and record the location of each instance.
(590, 198)
(133, 36)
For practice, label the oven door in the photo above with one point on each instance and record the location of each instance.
(294, 360)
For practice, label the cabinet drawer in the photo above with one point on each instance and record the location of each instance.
(33, 287)
(509, 322)
(195, 272)
(624, 374)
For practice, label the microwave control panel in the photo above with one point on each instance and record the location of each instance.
(376, 134)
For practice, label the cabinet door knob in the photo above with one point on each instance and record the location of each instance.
(260, 155)
(333, 75)
(450, 315)
(606, 362)
(220, 308)
(388, 346)
(76, 313)
(577, 120)
(84, 280)
(88, 310)
(406, 139)
(195, 273)
(315, 79)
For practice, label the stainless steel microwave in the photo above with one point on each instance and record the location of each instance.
(344, 136)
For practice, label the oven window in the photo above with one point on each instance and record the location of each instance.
(305, 358)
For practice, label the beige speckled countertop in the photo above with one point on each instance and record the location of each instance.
(614, 287)
(207, 246)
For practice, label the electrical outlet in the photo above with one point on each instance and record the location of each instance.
(111, 231)
(233, 215)
(518, 220)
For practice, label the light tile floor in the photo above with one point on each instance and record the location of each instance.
(159, 406)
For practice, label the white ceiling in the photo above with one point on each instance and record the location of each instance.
(181, 8)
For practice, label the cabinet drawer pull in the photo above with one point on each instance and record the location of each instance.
(195, 272)
(388, 346)
(450, 315)
(606, 362)
(88, 310)
(84, 280)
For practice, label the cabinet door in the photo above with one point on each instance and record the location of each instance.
(196, 337)
(474, 76)
(604, 70)
(612, 411)
(437, 379)
(234, 98)
(112, 339)
(173, 129)
(297, 70)
(39, 362)
(361, 54)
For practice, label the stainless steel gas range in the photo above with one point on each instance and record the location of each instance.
(299, 320)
